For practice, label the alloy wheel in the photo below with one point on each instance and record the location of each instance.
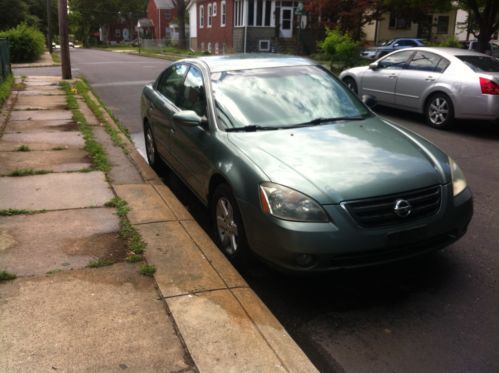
(438, 111)
(150, 148)
(227, 228)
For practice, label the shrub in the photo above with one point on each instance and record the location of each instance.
(340, 48)
(451, 43)
(26, 43)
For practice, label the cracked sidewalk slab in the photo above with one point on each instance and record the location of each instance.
(56, 161)
(41, 115)
(40, 103)
(107, 319)
(55, 191)
(59, 240)
(42, 140)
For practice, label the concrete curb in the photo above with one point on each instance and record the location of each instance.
(224, 325)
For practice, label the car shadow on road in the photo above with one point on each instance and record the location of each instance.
(471, 128)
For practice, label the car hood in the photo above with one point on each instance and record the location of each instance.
(342, 161)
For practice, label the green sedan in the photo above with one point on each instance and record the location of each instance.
(298, 170)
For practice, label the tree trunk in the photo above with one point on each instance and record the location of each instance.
(182, 42)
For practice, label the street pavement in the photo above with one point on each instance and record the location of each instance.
(433, 315)
(62, 314)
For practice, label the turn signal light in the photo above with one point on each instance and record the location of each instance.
(489, 87)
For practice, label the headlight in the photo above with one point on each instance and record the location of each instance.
(458, 180)
(286, 203)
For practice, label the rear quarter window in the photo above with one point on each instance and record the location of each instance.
(481, 63)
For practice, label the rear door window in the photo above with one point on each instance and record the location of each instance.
(425, 61)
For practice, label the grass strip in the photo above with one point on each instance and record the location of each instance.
(6, 276)
(6, 88)
(13, 212)
(96, 151)
(120, 205)
(84, 89)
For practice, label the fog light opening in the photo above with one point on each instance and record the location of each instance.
(305, 260)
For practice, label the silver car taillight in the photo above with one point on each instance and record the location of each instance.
(489, 87)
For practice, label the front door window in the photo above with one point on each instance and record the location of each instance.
(286, 22)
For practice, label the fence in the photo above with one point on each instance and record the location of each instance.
(4, 59)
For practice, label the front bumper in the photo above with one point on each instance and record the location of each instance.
(344, 244)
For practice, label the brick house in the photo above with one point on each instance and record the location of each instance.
(235, 26)
(162, 13)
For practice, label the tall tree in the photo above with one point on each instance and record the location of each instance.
(485, 14)
(12, 12)
(348, 15)
(181, 8)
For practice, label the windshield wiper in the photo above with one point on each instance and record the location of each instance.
(250, 128)
(319, 121)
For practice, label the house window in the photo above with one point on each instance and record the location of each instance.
(223, 13)
(201, 16)
(216, 48)
(238, 13)
(264, 45)
(398, 23)
(209, 47)
(214, 9)
(443, 25)
(259, 12)
(210, 14)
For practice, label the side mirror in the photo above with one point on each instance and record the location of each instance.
(189, 118)
(373, 66)
(369, 100)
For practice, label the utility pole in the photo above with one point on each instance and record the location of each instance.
(64, 39)
(49, 27)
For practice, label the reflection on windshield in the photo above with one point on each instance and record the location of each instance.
(281, 97)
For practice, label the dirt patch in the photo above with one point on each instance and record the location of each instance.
(72, 126)
(107, 246)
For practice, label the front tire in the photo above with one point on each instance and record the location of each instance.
(439, 111)
(228, 226)
(151, 150)
(350, 83)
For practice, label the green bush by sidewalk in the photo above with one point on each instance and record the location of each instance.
(26, 43)
(341, 50)
(5, 89)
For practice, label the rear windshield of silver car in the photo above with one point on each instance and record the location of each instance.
(481, 63)
(281, 97)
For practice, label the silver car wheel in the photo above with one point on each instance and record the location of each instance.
(226, 226)
(150, 149)
(438, 111)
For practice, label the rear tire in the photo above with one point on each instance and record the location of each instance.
(228, 226)
(439, 111)
(350, 83)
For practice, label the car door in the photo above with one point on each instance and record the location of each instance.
(421, 73)
(380, 81)
(191, 146)
(168, 89)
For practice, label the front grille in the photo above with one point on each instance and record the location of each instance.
(377, 212)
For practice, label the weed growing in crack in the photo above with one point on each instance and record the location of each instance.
(23, 148)
(147, 270)
(6, 276)
(100, 263)
(27, 172)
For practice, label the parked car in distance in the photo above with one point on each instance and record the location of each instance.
(493, 49)
(390, 46)
(294, 167)
(441, 83)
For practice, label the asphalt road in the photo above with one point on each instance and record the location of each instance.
(438, 314)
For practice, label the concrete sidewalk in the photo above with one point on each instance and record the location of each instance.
(195, 314)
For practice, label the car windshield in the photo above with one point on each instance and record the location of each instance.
(282, 97)
(481, 63)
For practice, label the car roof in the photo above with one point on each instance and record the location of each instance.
(446, 52)
(250, 61)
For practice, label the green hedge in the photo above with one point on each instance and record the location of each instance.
(5, 89)
(26, 43)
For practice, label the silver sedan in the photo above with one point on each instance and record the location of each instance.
(442, 83)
